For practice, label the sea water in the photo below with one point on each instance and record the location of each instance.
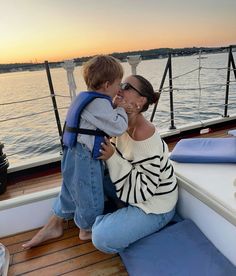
(28, 128)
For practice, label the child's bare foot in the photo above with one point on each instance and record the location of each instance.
(53, 229)
(85, 234)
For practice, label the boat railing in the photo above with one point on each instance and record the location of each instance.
(54, 102)
(171, 89)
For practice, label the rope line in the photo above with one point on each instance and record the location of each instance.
(217, 68)
(32, 114)
(62, 96)
(27, 100)
(27, 115)
(184, 74)
(220, 85)
(34, 99)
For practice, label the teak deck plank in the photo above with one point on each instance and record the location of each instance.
(32, 185)
(55, 260)
(108, 267)
(71, 234)
(65, 255)
(54, 247)
(25, 236)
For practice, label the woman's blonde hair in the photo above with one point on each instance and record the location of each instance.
(100, 69)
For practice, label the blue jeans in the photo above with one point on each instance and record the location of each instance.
(113, 232)
(82, 196)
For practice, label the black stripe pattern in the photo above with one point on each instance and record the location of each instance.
(148, 177)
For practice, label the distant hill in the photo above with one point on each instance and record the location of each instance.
(160, 53)
(145, 54)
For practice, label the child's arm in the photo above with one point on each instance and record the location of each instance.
(102, 115)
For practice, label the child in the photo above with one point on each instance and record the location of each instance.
(90, 116)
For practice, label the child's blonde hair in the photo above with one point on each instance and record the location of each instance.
(100, 69)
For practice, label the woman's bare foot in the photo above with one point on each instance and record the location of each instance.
(85, 235)
(53, 229)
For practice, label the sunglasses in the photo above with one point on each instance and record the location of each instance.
(128, 86)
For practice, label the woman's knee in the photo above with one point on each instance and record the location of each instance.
(103, 239)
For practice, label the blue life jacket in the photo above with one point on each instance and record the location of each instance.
(71, 127)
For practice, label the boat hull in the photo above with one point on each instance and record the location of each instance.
(27, 212)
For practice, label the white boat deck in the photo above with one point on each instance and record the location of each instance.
(208, 197)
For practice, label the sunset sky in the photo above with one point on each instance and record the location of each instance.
(38, 30)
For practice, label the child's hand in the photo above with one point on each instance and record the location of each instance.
(129, 107)
(118, 101)
(107, 150)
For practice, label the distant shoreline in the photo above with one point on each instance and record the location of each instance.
(145, 54)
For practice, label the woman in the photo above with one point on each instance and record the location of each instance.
(142, 181)
(141, 174)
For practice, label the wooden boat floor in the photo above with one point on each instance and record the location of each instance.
(67, 255)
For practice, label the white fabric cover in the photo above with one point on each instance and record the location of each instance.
(211, 183)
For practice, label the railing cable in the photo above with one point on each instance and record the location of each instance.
(184, 74)
(34, 99)
(27, 100)
(199, 87)
(27, 115)
(32, 114)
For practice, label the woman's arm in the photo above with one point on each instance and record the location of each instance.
(135, 181)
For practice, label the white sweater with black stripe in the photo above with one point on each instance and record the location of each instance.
(143, 174)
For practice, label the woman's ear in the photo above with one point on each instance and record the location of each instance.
(141, 102)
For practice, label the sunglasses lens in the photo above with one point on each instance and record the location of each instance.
(125, 86)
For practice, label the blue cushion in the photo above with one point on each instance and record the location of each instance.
(178, 250)
(205, 150)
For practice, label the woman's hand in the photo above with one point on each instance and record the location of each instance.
(107, 150)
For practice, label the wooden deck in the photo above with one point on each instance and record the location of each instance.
(67, 255)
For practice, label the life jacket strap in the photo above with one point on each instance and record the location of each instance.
(95, 132)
